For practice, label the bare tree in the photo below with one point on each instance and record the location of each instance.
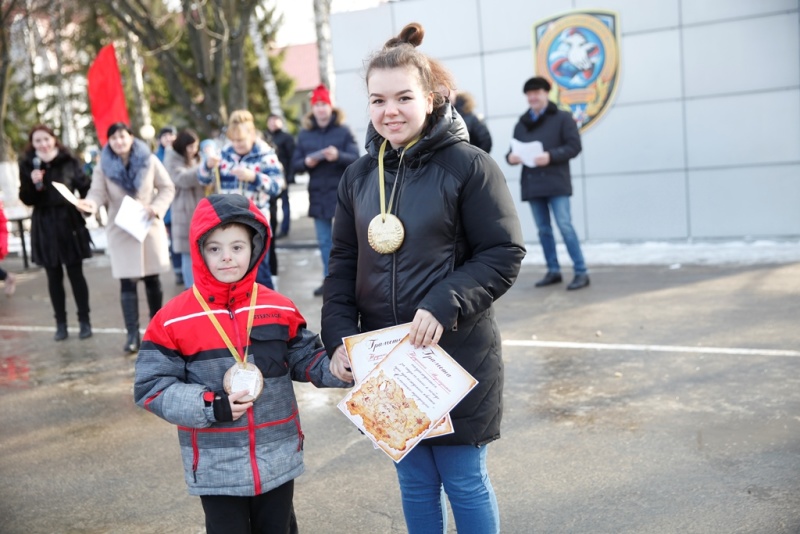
(61, 81)
(141, 113)
(215, 31)
(8, 9)
(322, 20)
(264, 66)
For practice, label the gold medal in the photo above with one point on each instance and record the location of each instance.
(244, 376)
(385, 235)
(385, 232)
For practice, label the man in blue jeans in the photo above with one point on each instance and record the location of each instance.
(547, 184)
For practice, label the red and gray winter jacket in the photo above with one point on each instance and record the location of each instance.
(182, 361)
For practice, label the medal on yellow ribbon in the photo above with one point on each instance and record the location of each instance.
(242, 374)
(385, 232)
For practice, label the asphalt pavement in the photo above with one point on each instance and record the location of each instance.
(662, 399)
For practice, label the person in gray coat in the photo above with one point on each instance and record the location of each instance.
(182, 161)
(548, 185)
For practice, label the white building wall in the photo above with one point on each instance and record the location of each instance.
(701, 142)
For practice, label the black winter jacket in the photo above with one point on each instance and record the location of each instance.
(462, 250)
(283, 142)
(478, 132)
(559, 136)
(58, 230)
(323, 179)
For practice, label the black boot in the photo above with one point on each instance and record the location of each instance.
(86, 329)
(552, 277)
(130, 311)
(61, 332)
(580, 281)
(154, 296)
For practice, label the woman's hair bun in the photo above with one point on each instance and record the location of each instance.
(411, 34)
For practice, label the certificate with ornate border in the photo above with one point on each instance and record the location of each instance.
(366, 350)
(398, 402)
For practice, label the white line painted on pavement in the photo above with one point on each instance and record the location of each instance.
(9, 328)
(520, 343)
(650, 348)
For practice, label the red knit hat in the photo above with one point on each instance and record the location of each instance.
(321, 94)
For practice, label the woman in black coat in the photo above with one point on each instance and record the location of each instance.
(455, 247)
(58, 232)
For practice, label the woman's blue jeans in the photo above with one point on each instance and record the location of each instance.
(541, 208)
(461, 471)
(324, 228)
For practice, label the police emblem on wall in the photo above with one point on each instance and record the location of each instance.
(579, 53)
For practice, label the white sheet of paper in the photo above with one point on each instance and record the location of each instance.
(66, 193)
(244, 379)
(133, 218)
(527, 151)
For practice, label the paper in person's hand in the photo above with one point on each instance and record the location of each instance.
(527, 152)
(66, 193)
(318, 155)
(133, 218)
(366, 350)
(400, 400)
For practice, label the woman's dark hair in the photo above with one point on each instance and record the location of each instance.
(49, 131)
(184, 139)
(401, 51)
(117, 126)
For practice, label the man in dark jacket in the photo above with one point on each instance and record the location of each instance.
(547, 183)
(325, 147)
(283, 142)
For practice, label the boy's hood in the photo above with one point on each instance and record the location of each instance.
(211, 212)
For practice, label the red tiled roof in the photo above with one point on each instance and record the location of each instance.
(301, 62)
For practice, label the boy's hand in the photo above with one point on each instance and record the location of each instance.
(340, 365)
(238, 410)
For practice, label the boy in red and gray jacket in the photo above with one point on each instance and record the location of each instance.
(200, 367)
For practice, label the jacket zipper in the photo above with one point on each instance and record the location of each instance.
(195, 454)
(394, 256)
(251, 429)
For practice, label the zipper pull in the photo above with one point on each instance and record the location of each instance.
(230, 312)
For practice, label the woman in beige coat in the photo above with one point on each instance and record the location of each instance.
(182, 161)
(128, 168)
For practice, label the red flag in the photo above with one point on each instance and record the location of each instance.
(106, 97)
